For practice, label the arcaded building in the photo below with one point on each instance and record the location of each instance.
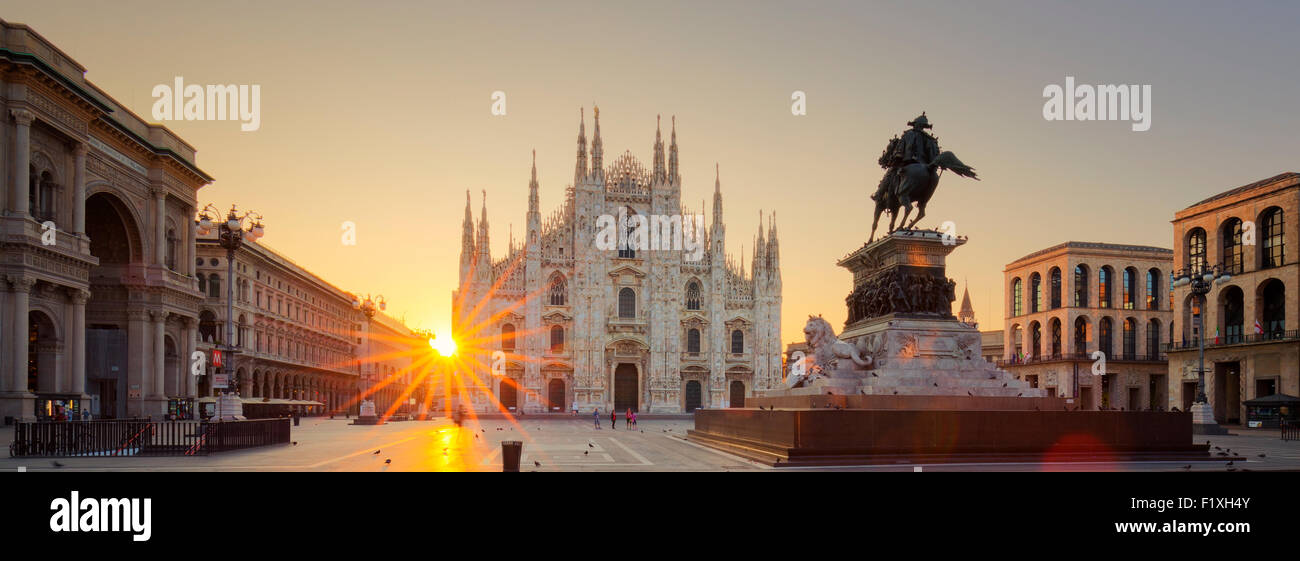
(660, 330)
(98, 294)
(1070, 300)
(298, 336)
(1252, 347)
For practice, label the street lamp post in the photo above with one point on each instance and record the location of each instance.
(369, 307)
(231, 235)
(1200, 280)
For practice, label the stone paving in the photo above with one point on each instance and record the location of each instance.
(570, 444)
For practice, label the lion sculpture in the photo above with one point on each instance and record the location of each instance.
(827, 349)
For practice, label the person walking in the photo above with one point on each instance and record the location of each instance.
(634, 418)
(595, 417)
(613, 419)
(627, 419)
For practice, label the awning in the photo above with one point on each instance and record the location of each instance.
(1275, 399)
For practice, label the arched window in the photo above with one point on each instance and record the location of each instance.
(1056, 337)
(1017, 341)
(1105, 277)
(1081, 286)
(559, 290)
(1273, 309)
(1271, 235)
(1130, 338)
(1130, 288)
(1196, 249)
(737, 342)
(1080, 336)
(626, 303)
(1035, 293)
(208, 327)
(171, 248)
(508, 337)
(203, 284)
(1232, 254)
(1231, 298)
(557, 339)
(214, 286)
(1153, 289)
(1055, 298)
(1153, 339)
(1036, 339)
(239, 330)
(1103, 337)
(626, 244)
(693, 340)
(693, 300)
(1016, 309)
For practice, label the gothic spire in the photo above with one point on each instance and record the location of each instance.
(467, 232)
(717, 194)
(580, 168)
(483, 228)
(597, 149)
(673, 176)
(533, 204)
(967, 313)
(660, 174)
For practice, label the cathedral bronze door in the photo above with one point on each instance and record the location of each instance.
(555, 394)
(737, 393)
(625, 391)
(692, 396)
(507, 394)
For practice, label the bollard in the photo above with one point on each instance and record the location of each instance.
(295, 420)
(511, 450)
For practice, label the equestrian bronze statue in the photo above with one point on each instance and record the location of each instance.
(912, 165)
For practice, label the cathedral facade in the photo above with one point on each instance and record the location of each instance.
(564, 322)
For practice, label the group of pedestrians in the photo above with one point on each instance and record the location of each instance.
(629, 417)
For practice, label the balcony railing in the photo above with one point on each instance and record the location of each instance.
(1064, 357)
(1230, 340)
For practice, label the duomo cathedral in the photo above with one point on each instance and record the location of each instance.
(581, 326)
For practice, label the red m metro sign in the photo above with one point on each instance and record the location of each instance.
(216, 357)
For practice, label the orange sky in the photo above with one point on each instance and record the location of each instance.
(378, 113)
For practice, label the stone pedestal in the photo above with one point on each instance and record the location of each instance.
(901, 322)
(1203, 420)
(19, 405)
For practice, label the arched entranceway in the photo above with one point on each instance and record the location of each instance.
(737, 393)
(625, 387)
(42, 349)
(508, 394)
(555, 394)
(693, 395)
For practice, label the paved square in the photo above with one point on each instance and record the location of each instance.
(568, 444)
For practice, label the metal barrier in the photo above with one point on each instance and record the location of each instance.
(142, 437)
(1290, 430)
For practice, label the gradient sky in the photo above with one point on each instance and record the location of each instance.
(379, 113)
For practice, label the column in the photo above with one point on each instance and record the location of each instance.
(188, 336)
(79, 190)
(158, 386)
(18, 192)
(22, 288)
(76, 338)
(160, 224)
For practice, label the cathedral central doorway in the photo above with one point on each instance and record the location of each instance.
(692, 396)
(555, 394)
(625, 392)
(507, 394)
(737, 393)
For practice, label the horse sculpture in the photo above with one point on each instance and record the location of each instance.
(909, 178)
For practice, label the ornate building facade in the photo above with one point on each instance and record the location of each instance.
(1068, 301)
(1252, 347)
(298, 337)
(99, 295)
(579, 325)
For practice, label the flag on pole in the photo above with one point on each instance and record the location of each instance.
(1216, 335)
(1258, 329)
